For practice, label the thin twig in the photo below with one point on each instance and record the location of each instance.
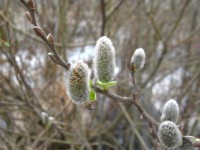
(103, 13)
(165, 41)
(133, 127)
(118, 98)
(38, 30)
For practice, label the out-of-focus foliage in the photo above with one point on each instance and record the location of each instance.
(168, 31)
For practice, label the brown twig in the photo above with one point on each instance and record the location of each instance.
(38, 30)
(136, 102)
(114, 9)
(58, 45)
(103, 13)
(177, 21)
(144, 145)
(165, 41)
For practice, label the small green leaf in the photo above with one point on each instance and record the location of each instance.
(99, 83)
(92, 96)
(112, 83)
(7, 44)
(106, 85)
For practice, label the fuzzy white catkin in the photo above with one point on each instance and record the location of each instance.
(51, 119)
(138, 58)
(104, 60)
(78, 81)
(186, 145)
(44, 117)
(170, 111)
(169, 135)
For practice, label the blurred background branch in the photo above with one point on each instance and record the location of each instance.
(31, 84)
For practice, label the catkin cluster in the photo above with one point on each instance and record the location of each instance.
(78, 82)
(168, 133)
(104, 60)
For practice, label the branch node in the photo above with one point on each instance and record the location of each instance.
(30, 4)
(28, 16)
(50, 39)
(51, 55)
(39, 32)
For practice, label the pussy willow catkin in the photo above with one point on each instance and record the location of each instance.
(170, 111)
(138, 58)
(104, 60)
(78, 81)
(169, 135)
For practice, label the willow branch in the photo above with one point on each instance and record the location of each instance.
(38, 30)
(136, 102)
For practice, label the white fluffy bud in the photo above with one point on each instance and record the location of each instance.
(138, 58)
(169, 135)
(170, 111)
(104, 61)
(78, 81)
(44, 117)
(51, 119)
